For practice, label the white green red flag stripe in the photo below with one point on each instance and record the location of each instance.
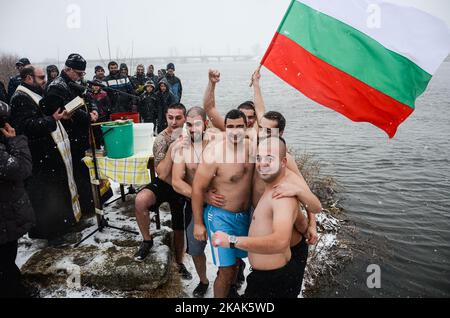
(329, 51)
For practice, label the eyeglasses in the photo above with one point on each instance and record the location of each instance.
(79, 73)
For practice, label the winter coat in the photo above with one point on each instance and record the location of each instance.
(120, 103)
(78, 130)
(164, 100)
(148, 107)
(138, 83)
(14, 82)
(16, 213)
(48, 187)
(175, 86)
(3, 93)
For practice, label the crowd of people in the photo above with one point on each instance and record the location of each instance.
(228, 179)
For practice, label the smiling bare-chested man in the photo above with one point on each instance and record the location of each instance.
(275, 269)
(227, 167)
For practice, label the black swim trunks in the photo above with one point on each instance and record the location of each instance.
(164, 192)
(285, 282)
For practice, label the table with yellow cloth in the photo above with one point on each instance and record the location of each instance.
(133, 170)
(138, 169)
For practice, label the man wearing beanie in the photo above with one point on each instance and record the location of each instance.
(59, 93)
(100, 74)
(15, 81)
(175, 84)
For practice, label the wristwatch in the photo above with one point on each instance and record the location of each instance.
(232, 239)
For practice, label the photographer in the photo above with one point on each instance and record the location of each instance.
(16, 213)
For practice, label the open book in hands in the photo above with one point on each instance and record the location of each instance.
(74, 104)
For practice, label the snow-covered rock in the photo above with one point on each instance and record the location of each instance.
(103, 267)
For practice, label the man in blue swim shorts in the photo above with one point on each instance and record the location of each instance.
(227, 167)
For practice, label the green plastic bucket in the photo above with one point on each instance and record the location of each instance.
(118, 137)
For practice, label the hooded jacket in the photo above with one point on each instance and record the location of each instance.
(16, 213)
(164, 100)
(49, 70)
(175, 86)
(138, 83)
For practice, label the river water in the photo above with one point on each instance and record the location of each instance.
(396, 192)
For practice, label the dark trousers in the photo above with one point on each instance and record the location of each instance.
(10, 277)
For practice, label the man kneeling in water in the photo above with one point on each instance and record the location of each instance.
(272, 231)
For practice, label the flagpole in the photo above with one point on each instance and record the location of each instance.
(273, 40)
(276, 33)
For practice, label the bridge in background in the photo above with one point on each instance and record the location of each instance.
(176, 59)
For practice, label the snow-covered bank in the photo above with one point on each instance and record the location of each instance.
(323, 257)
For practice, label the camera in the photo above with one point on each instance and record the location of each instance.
(5, 111)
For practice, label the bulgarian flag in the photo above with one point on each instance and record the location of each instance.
(366, 59)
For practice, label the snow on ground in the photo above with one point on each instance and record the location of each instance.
(122, 215)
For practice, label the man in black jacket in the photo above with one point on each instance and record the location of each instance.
(15, 81)
(175, 84)
(139, 79)
(151, 74)
(51, 188)
(3, 93)
(119, 103)
(16, 213)
(63, 91)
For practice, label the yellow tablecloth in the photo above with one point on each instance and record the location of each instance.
(131, 170)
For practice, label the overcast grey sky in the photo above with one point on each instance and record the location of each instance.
(42, 29)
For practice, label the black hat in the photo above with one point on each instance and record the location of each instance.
(76, 61)
(170, 66)
(99, 67)
(23, 61)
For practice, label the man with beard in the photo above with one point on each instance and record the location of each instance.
(59, 93)
(273, 123)
(160, 190)
(185, 165)
(151, 74)
(275, 272)
(164, 98)
(227, 167)
(139, 79)
(175, 84)
(119, 102)
(51, 188)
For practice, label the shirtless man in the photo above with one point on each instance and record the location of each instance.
(185, 165)
(160, 190)
(274, 123)
(217, 120)
(232, 178)
(272, 231)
